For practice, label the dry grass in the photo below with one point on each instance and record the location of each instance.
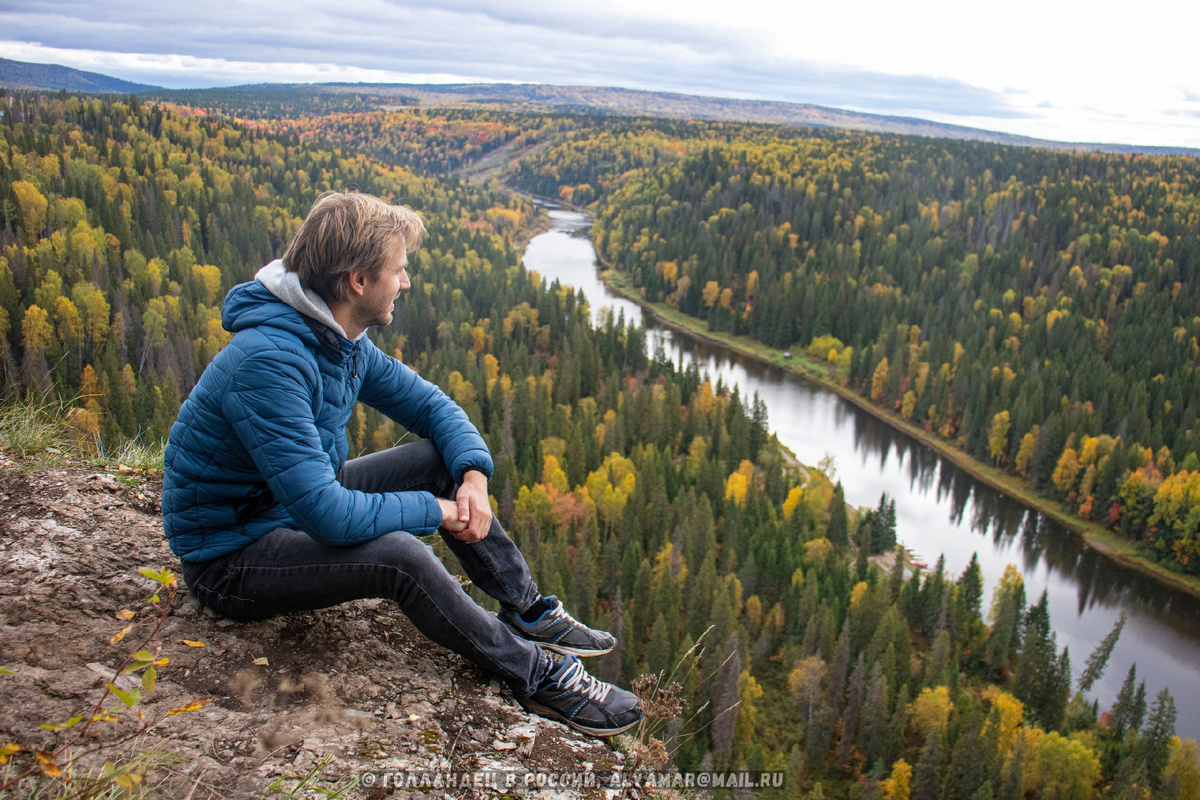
(36, 434)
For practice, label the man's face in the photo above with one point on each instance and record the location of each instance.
(376, 305)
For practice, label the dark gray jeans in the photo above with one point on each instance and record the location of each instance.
(288, 570)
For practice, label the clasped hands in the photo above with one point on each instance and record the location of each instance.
(469, 517)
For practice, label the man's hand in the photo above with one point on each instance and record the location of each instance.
(450, 516)
(470, 518)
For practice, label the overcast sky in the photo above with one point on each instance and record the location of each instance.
(1098, 71)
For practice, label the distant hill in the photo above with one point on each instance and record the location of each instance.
(539, 97)
(52, 77)
(607, 100)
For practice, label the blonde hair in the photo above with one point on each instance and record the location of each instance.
(346, 231)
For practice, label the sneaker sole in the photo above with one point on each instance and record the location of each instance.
(550, 713)
(575, 651)
(558, 648)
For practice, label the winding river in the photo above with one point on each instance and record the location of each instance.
(940, 508)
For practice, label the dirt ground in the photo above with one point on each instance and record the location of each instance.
(348, 693)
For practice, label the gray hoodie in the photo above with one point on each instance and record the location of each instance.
(286, 286)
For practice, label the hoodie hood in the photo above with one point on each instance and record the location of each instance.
(277, 300)
(285, 285)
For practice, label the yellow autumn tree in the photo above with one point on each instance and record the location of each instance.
(857, 594)
(804, 683)
(1088, 450)
(752, 283)
(1061, 769)
(735, 488)
(822, 345)
(89, 384)
(1183, 769)
(998, 437)
(697, 451)
(879, 380)
(739, 482)
(36, 331)
(930, 710)
(32, 206)
(897, 786)
(532, 509)
(1177, 509)
(611, 486)
(1025, 451)
(817, 552)
(1066, 471)
(1011, 713)
(208, 280)
(791, 502)
(85, 427)
(747, 714)
(554, 476)
(68, 322)
(95, 311)
(754, 611)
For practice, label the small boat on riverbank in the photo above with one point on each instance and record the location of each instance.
(912, 559)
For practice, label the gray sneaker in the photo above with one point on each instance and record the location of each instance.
(575, 698)
(558, 631)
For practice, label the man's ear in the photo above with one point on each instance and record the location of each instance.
(357, 281)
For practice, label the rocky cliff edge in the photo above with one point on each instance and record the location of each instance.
(327, 698)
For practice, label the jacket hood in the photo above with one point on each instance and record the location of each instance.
(259, 303)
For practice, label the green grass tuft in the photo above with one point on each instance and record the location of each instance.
(30, 428)
(138, 453)
(37, 433)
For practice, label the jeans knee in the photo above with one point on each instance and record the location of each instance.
(408, 554)
(417, 575)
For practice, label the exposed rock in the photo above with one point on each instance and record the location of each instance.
(341, 694)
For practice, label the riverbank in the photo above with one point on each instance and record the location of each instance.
(1100, 539)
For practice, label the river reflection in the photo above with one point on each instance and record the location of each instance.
(940, 508)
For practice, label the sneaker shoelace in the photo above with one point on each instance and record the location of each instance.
(559, 612)
(577, 679)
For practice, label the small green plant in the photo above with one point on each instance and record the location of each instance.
(82, 734)
(307, 783)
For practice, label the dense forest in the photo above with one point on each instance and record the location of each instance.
(438, 142)
(654, 502)
(1036, 309)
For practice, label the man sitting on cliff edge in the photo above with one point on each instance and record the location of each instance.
(268, 516)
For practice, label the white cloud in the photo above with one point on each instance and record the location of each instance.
(1036, 67)
(189, 72)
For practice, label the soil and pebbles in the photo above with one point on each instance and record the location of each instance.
(348, 691)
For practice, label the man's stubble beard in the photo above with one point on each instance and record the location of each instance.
(369, 318)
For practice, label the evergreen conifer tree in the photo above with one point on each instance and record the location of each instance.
(838, 530)
(1154, 748)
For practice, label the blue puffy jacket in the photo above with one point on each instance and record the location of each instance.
(267, 422)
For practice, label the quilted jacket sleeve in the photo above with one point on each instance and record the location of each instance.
(396, 390)
(269, 404)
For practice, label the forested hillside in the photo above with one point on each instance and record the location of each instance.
(652, 501)
(1036, 309)
(432, 141)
